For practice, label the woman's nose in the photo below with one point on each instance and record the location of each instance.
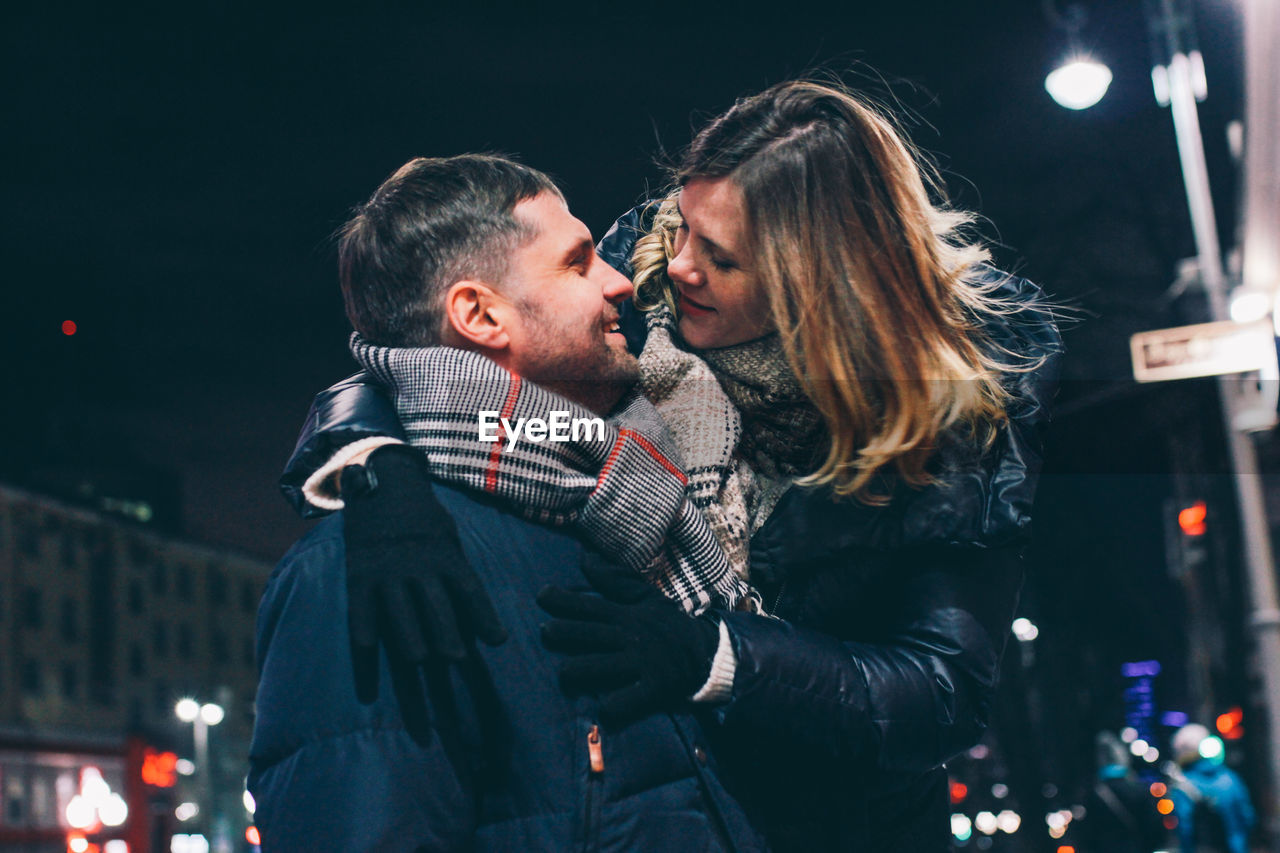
(682, 270)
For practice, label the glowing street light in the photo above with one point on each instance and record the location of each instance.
(96, 805)
(187, 710)
(211, 714)
(1078, 83)
(1080, 80)
(1024, 629)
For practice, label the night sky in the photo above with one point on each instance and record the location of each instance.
(173, 175)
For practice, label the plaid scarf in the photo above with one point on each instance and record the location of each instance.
(622, 487)
(706, 428)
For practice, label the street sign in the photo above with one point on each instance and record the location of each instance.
(1205, 349)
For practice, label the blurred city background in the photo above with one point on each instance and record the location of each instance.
(170, 306)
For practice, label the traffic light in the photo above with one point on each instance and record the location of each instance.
(159, 769)
(1231, 724)
(1191, 519)
(1186, 527)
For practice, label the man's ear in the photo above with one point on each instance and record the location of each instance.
(478, 314)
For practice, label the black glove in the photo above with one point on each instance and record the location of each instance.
(635, 647)
(408, 582)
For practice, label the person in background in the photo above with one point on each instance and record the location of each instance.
(1120, 813)
(1210, 801)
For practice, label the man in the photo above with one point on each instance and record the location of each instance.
(465, 277)
(1210, 801)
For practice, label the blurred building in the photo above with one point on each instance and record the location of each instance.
(104, 626)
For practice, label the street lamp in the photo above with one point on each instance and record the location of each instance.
(1079, 83)
(201, 717)
(1081, 80)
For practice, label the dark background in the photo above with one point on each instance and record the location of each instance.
(172, 176)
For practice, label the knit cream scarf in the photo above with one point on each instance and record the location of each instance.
(741, 422)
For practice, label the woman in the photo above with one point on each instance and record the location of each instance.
(890, 388)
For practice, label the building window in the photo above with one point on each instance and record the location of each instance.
(159, 639)
(248, 596)
(29, 535)
(159, 579)
(137, 663)
(14, 805)
(184, 641)
(32, 608)
(70, 620)
(217, 587)
(70, 682)
(135, 596)
(70, 551)
(31, 682)
(218, 647)
(139, 554)
(182, 582)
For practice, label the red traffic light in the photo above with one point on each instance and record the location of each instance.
(159, 768)
(1192, 519)
(1230, 726)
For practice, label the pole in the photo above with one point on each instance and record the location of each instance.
(1261, 272)
(1261, 184)
(1264, 617)
(201, 732)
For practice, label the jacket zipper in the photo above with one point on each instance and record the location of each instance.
(778, 598)
(595, 763)
(594, 751)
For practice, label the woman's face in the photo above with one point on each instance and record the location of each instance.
(722, 302)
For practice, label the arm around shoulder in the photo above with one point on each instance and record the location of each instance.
(354, 409)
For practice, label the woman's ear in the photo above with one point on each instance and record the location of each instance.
(478, 315)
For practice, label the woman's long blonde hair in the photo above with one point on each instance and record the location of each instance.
(876, 295)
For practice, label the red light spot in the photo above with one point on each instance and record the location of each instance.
(253, 836)
(158, 768)
(68, 327)
(1192, 519)
(959, 791)
(1229, 724)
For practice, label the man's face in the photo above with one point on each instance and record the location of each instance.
(566, 336)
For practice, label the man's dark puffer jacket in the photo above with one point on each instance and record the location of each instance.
(496, 758)
(894, 618)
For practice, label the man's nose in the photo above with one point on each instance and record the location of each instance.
(616, 286)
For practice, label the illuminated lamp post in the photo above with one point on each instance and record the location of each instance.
(201, 718)
(1079, 81)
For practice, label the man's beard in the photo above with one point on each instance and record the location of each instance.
(596, 378)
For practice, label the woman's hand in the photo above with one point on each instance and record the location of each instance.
(636, 648)
(409, 585)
